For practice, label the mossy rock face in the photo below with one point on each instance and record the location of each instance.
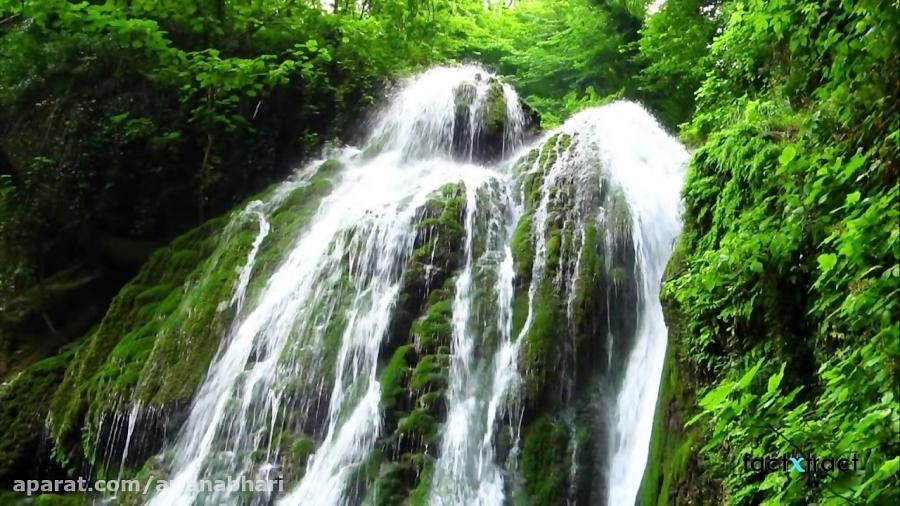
(413, 385)
(414, 380)
(544, 462)
(109, 363)
(480, 130)
(565, 306)
(23, 410)
(495, 108)
(395, 378)
(159, 335)
(437, 253)
(295, 450)
(433, 329)
(575, 307)
(391, 486)
(415, 357)
(464, 100)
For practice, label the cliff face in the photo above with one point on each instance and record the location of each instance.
(674, 473)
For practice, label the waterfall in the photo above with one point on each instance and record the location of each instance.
(649, 165)
(388, 351)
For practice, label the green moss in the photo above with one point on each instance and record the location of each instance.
(336, 325)
(329, 168)
(438, 246)
(295, 450)
(186, 258)
(287, 219)
(542, 344)
(523, 248)
(160, 333)
(413, 394)
(668, 455)
(443, 217)
(414, 379)
(520, 310)
(374, 148)
(525, 164)
(418, 424)
(23, 410)
(395, 376)
(434, 328)
(420, 495)
(154, 293)
(554, 243)
(390, 486)
(108, 366)
(495, 107)
(402, 482)
(668, 478)
(544, 462)
(430, 401)
(588, 297)
(430, 373)
(303, 448)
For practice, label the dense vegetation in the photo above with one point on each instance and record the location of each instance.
(782, 294)
(126, 123)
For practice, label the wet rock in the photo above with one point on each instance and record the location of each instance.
(482, 127)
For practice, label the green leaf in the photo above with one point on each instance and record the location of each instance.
(747, 378)
(775, 381)
(787, 155)
(714, 399)
(853, 198)
(827, 261)
(853, 165)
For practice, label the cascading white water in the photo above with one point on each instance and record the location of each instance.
(363, 230)
(466, 472)
(649, 166)
(646, 167)
(306, 346)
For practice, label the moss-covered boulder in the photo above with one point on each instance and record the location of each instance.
(575, 310)
(154, 345)
(482, 126)
(416, 371)
(23, 412)
(437, 252)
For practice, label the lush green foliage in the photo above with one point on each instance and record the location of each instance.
(124, 123)
(786, 282)
(562, 55)
(23, 410)
(674, 52)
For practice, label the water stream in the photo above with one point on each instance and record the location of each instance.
(306, 351)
